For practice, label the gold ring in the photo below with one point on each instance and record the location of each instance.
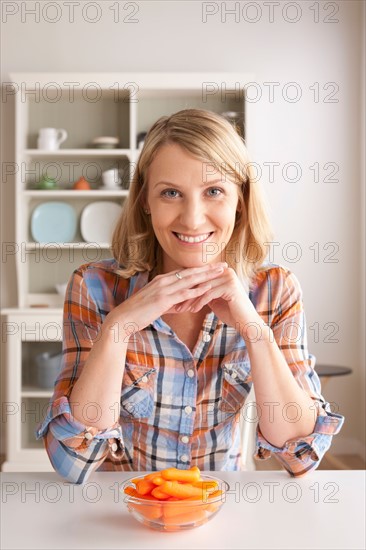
(178, 275)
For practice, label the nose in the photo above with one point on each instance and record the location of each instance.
(192, 215)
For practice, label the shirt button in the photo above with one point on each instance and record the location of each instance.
(206, 337)
(184, 439)
(188, 409)
(88, 435)
(190, 373)
(234, 374)
(184, 458)
(114, 447)
(144, 379)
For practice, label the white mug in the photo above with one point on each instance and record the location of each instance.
(50, 139)
(111, 178)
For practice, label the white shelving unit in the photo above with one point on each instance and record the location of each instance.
(25, 334)
(87, 105)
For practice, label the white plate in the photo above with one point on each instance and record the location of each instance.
(106, 139)
(98, 221)
(108, 188)
(53, 221)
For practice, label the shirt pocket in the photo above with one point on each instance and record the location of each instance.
(138, 390)
(236, 384)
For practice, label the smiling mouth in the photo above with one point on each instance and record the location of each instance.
(190, 239)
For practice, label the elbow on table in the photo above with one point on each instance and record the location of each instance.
(300, 464)
(67, 463)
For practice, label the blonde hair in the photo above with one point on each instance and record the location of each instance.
(210, 137)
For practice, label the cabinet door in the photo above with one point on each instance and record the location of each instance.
(29, 387)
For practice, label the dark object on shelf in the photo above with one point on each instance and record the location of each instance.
(105, 142)
(48, 368)
(47, 183)
(235, 118)
(141, 139)
(81, 185)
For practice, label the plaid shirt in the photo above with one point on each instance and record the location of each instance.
(178, 408)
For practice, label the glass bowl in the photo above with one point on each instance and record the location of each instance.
(176, 515)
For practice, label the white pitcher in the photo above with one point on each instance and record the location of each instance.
(50, 139)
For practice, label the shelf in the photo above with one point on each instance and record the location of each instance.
(35, 246)
(34, 391)
(32, 311)
(80, 153)
(71, 193)
(124, 105)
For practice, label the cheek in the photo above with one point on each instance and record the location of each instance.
(161, 220)
(226, 216)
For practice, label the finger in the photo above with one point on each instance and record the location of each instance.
(186, 305)
(188, 294)
(194, 275)
(211, 294)
(188, 287)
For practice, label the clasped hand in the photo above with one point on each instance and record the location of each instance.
(215, 285)
(226, 297)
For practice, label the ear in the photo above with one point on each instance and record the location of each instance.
(145, 206)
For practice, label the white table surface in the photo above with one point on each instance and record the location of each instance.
(265, 509)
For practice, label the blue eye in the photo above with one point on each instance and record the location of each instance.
(173, 193)
(169, 193)
(217, 192)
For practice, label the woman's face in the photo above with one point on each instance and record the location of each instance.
(192, 206)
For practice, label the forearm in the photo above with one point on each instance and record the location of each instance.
(285, 411)
(95, 397)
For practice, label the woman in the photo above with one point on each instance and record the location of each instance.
(163, 342)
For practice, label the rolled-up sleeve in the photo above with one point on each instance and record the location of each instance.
(74, 449)
(299, 455)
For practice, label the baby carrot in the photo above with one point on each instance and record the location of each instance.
(180, 490)
(177, 509)
(151, 476)
(135, 480)
(209, 486)
(174, 474)
(148, 511)
(161, 495)
(215, 494)
(144, 486)
(130, 491)
(213, 506)
(157, 480)
(190, 516)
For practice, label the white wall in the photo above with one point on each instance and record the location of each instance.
(171, 36)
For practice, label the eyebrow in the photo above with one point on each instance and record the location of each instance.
(221, 180)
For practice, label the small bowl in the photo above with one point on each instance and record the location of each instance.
(61, 289)
(48, 367)
(176, 515)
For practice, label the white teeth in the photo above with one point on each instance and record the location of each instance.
(197, 239)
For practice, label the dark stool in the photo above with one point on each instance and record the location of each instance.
(326, 372)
